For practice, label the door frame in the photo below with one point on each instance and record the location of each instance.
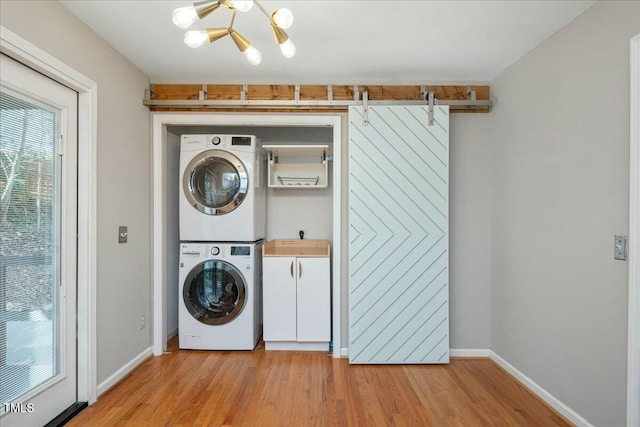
(160, 121)
(30, 55)
(633, 330)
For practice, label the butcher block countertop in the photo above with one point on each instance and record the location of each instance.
(297, 247)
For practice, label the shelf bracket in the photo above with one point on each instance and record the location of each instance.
(423, 92)
(329, 92)
(356, 93)
(296, 95)
(431, 103)
(365, 108)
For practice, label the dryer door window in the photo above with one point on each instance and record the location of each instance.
(214, 292)
(215, 182)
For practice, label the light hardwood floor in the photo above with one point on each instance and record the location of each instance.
(233, 388)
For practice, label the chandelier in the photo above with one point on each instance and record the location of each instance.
(280, 20)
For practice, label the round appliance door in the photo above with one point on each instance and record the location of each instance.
(214, 292)
(215, 182)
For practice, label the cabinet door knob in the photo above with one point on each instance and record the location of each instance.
(291, 269)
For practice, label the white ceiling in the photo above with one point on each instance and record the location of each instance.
(338, 42)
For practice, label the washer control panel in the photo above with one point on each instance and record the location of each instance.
(236, 143)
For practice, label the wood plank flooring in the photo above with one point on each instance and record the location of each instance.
(260, 388)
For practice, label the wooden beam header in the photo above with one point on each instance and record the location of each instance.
(209, 97)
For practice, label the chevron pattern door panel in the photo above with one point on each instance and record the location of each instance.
(398, 235)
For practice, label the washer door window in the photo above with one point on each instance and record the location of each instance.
(215, 182)
(214, 292)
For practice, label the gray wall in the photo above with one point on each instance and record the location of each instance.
(470, 231)
(560, 143)
(124, 184)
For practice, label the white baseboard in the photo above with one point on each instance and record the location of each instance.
(122, 372)
(344, 352)
(550, 399)
(172, 333)
(469, 352)
(296, 346)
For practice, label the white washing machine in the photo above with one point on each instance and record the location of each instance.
(222, 188)
(220, 296)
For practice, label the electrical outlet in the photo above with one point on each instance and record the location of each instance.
(142, 322)
(620, 247)
(123, 234)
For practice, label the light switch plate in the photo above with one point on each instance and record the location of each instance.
(123, 233)
(620, 247)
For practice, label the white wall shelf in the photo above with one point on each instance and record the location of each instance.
(301, 166)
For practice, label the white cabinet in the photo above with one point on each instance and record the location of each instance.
(313, 315)
(296, 298)
(297, 166)
(279, 295)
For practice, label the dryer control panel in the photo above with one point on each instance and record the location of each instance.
(221, 250)
(242, 140)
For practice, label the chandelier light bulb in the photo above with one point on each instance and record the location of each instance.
(241, 5)
(195, 39)
(253, 55)
(288, 49)
(183, 17)
(283, 18)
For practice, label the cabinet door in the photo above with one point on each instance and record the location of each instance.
(314, 319)
(279, 296)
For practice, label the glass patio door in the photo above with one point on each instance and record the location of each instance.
(38, 225)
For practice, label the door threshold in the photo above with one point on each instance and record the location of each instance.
(67, 414)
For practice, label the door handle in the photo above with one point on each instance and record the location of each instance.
(291, 269)
(299, 269)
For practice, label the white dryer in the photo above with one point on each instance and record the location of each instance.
(222, 188)
(220, 296)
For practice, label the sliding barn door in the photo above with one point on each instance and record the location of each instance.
(398, 235)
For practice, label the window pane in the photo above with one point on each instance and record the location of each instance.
(28, 274)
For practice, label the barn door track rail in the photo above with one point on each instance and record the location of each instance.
(240, 97)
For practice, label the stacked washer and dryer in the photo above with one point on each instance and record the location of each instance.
(222, 213)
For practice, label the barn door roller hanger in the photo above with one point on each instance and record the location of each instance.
(428, 97)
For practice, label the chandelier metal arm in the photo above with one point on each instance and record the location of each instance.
(264, 12)
(233, 19)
